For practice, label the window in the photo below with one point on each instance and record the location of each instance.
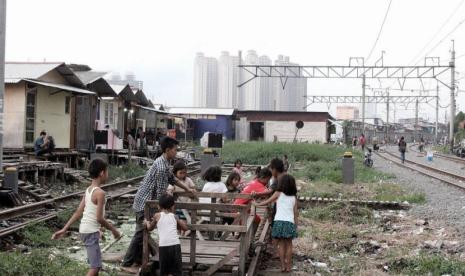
(30, 115)
(108, 114)
(67, 104)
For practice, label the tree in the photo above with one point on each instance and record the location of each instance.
(460, 117)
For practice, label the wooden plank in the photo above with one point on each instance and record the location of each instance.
(211, 234)
(258, 248)
(193, 241)
(217, 227)
(222, 262)
(203, 206)
(226, 233)
(243, 246)
(215, 195)
(145, 242)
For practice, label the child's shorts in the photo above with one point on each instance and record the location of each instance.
(94, 255)
(170, 260)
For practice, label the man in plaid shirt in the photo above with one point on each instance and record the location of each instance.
(155, 183)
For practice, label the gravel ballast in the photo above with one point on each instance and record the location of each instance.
(444, 203)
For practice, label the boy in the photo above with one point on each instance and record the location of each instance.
(92, 210)
(155, 184)
(170, 257)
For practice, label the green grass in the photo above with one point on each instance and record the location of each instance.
(38, 235)
(39, 262)
(125, 172)
(320, 162)
(428, 265)
(392, 192)
(340, 212)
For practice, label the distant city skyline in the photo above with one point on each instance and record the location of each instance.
(216, 84)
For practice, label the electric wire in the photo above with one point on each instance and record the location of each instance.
(380, 31)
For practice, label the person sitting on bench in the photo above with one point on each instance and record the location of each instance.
(44, 144)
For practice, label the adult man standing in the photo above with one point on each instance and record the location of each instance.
(155, 183)
(402, 149)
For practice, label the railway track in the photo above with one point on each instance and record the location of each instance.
(17, 218)
(447, 177)
(439, 155)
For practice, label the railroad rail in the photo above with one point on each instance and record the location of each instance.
(19, 217)
(449, 178)
(439, 155)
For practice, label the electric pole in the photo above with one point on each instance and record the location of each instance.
(387, 116)
(452, 98)
(2, 70)
(363, 103)
(416, 119)
(437, 114)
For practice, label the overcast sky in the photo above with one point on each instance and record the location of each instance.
(157, 40)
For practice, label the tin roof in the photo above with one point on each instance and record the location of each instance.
(201, 111)
(124, 91)
(62, 87)
(89, 76)
(16, 71)
(306, 116)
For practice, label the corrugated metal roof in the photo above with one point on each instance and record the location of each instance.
(63, 87)
(151, 109)
(89, 76)
(201, 111)
(35, 70)
(124, 91)
(27, 70)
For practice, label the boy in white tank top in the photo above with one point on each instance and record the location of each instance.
(170, 258)
(92, 211)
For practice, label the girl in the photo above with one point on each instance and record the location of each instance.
(180, 172)
(238, 169)
(232, 182)
(285, 221)
(214, 185)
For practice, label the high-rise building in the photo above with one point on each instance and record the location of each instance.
(347, 113)
(215, 85)
(292, 97)
(258, 93)
(228, 78)
(205, 81)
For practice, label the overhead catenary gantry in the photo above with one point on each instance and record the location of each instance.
(400, 73)
(369, 99)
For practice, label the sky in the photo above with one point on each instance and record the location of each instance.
(158, 40)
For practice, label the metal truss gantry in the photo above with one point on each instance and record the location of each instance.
(284, 72)
(369, 99)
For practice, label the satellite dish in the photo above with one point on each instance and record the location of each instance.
(299, 124)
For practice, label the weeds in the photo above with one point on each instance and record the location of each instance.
(38, 235)
(428, 265)
(38, 262)
(341, 212)
(125, 171)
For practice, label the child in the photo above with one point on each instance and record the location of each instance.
(92, 210)
(284, 228)
(180, 172)
(238, 169)
(232, 182)
(286, 163)
(170, 257)
(214, 185)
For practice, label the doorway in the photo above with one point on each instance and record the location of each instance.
(257, 131)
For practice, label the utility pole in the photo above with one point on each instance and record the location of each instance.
(239, 89)
(387, 116)
(416, 119)
(437, 114)
(452, 98)
(363, 103)
(2, 70)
